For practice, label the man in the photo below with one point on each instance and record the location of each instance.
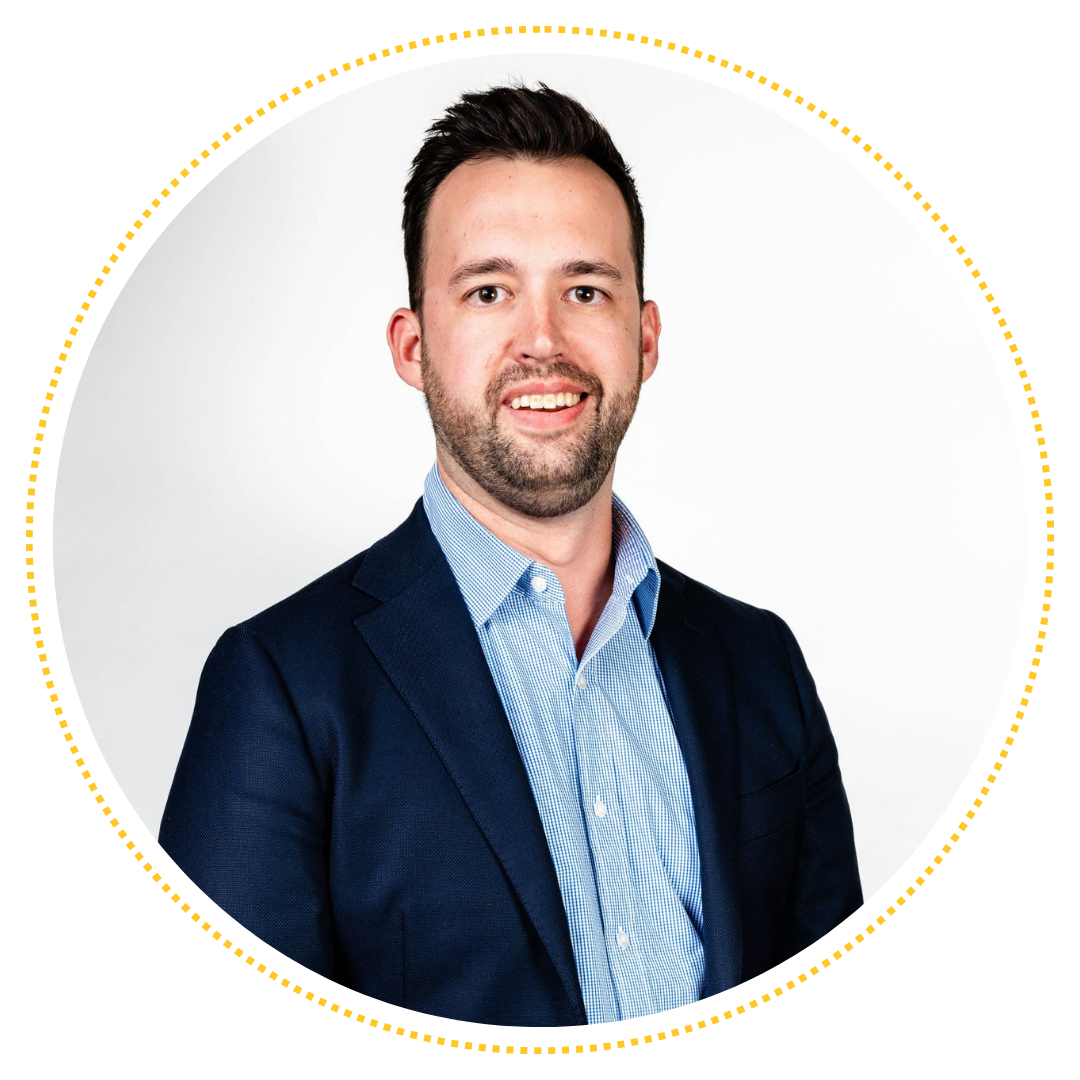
(504, 766)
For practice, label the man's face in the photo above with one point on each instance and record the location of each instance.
(533, 342)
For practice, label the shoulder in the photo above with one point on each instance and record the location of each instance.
(289, 643)
(328, 606)
(774, 691)
(712, 611)
(766, 665)
(757, 644)
(311, 606)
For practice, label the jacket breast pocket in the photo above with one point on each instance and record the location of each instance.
(771, 808)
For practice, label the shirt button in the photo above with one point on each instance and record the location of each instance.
(622, 938)
(539, 584)
(580, 682)
(599, 808)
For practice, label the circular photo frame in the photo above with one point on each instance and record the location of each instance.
(828, 386)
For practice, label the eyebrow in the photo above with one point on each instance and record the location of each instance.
(495, 265)
(499, 265)
(588, 268)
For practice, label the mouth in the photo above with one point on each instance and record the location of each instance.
(546, 412)
(546, 402)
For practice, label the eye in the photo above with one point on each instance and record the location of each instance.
(586, 294)
(487, 295)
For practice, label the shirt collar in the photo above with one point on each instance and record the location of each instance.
(635, 564)
(486, 569)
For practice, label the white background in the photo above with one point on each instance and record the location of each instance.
(103, 107)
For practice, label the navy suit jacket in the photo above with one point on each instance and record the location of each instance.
(351, 792)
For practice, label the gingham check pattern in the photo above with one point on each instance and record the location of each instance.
(601, 755)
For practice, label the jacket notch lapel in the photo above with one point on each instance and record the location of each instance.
(426, 644)
(699, 692)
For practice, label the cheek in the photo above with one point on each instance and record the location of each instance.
(612, 351)
(471, 354)
(463, 371)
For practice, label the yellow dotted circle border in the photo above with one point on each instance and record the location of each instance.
(768, 85)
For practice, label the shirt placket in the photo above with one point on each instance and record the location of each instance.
(606, 821)
(546, 592)
(606, 828)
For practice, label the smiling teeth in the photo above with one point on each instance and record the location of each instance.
(545, 401)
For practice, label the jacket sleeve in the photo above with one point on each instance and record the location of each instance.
(826, 886)
(246, 818)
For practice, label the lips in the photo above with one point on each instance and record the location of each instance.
(550, 402)
(547, 394)
(547, 415)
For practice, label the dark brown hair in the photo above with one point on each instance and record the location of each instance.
(514, 122)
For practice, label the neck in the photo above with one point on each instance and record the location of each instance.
(576, 547)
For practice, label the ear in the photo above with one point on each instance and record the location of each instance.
(650, 336)
(404, 335)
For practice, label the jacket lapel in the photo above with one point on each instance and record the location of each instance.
(424, 640)
(698, 685)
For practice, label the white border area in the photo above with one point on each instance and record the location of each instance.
(108, 104)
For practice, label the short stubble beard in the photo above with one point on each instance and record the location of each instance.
(526, 480)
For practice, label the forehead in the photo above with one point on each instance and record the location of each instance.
(568, 208)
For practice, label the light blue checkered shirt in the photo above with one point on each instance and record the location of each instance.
(601, 756)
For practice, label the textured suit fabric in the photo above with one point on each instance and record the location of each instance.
(350, 791)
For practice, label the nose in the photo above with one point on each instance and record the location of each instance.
(538, 333)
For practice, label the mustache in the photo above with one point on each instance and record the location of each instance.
(560, 369)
